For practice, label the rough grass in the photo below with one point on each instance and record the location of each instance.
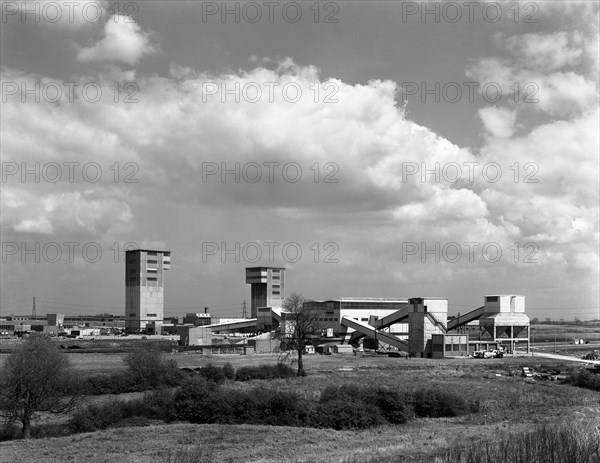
(507, 404)
(573, 442)
(412, 443)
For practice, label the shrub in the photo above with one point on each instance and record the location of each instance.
(50, 430)
(192, 402)
(154, 405)
(148, 370)
(393, 405)
(213, 373)
(228, 371)
(249, 373)
(586, 380)
(202, 401)
(339, 414)
(96, 417)
(9, 431)
(114, 383)
(352, 392)
(277, 371)
(436, 403)
(277, 408)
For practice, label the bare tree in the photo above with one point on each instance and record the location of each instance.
(300, 323)
(35, 377)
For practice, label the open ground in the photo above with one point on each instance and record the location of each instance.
(509, 403)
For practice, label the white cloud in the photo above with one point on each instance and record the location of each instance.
(500, 122)
(556, 74)
(40, 225)
(545, 52)
(178, 126)
(123, 41)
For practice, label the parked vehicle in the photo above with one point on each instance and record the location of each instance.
(484, 354)
(595, 355)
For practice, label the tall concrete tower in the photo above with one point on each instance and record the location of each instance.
(144, 287)
(266, 287)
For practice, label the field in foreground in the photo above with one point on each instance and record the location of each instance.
(257, 444)
(509, 404)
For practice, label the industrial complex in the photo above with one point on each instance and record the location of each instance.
(415, 327)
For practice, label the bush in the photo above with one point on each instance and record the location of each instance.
(339, 414)
(96, 417)
(437, 403)
(201, 401)
(277, 371)
(154, 405)
(394, 406)
(148, 370)
(228, 371)
(278, 408)
(586, 380)
(9, 431)
(213, 373)
(50, 430)
(192, 400)
(114, 383)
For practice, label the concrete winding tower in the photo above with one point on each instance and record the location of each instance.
(267, 286)
(144, 287)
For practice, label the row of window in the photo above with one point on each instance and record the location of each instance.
(139, 281)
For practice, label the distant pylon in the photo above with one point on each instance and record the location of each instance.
(244, 313)
(33, 312)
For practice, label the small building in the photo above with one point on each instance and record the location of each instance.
(55, 319)
(345, 349)
(190, 335)
(325, 348)
(447, 345)
(264, 345)
(197, 319)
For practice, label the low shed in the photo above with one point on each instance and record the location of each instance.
(343, 349)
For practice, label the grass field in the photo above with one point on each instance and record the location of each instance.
(508, 404)
(547, 333)
(244, 443)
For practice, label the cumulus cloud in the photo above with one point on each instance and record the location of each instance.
(123, 41)
(40, 225)
(84, 212)
(556, 74)
(500, 122)
(545, 52)
(197, 149)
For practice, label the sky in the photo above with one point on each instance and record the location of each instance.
(373, 149)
